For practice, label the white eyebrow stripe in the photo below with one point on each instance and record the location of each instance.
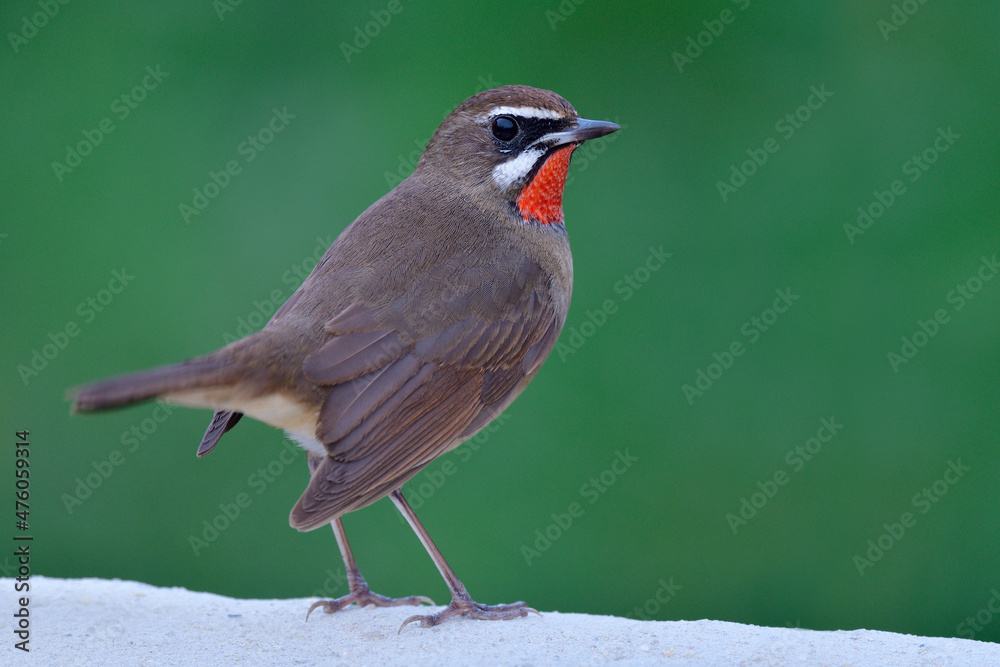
(507, 173)
(525, 112)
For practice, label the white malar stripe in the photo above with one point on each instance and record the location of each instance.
(507, 173)
(525, 112)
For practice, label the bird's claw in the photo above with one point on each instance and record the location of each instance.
(468, 607)
(363, 597)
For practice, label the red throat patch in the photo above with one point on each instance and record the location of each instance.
(542, 199)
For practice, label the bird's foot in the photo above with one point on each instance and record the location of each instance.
(463, 605)
(363, 597)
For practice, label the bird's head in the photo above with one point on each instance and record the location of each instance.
(511, 144)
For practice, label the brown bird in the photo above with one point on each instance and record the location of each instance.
(426, 317)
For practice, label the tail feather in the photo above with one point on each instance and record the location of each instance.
(127, 389)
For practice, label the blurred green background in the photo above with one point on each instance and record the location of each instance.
(833, 105)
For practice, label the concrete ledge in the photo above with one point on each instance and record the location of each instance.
(98, 622)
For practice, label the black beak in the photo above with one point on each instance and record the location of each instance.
(584, 130)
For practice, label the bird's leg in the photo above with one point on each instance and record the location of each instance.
(461, 603)
(359, 591)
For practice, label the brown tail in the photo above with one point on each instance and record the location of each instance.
(124, 390)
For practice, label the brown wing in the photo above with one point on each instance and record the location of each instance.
(412, 380)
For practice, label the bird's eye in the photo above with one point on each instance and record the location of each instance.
(504, 128)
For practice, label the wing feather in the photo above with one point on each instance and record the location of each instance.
(348, 404)
(417, 435)
(410, 381)
(351, 355)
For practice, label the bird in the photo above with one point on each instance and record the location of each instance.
(421, 323)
